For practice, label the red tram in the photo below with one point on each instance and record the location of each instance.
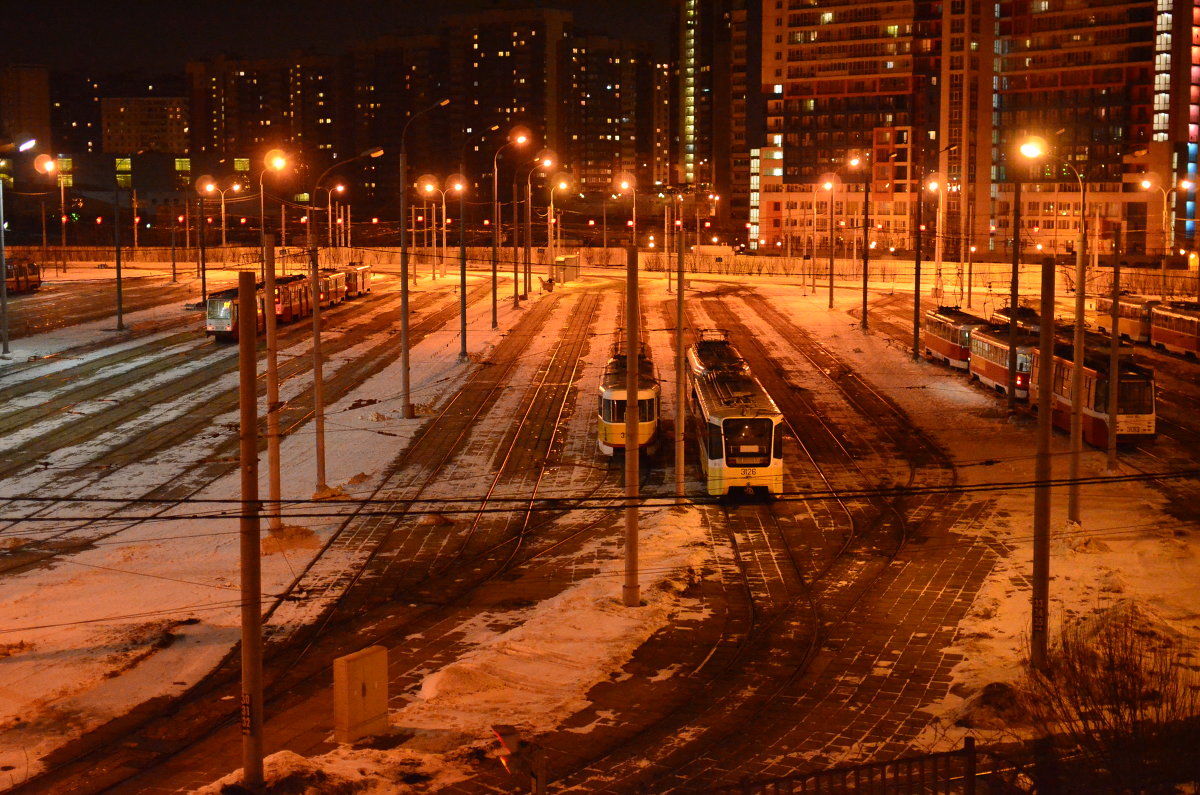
(293, 301)
(948, 335)
(1028, 318)
(1176, 327)
(1135, 394)
(989, 358)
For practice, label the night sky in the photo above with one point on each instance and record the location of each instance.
(161, 37)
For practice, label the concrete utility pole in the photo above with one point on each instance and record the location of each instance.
(680, 376)
(1042, 474)
(1078, 356)
(251, 578)
(274, 493)
(917, 268)
(629, 592)
(1013, 298)
(117, 247)
(1114, 361)
(318, 375)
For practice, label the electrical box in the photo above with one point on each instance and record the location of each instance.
(360, 694)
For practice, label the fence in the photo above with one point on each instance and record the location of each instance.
(945, 772)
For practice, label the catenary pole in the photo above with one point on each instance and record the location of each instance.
(1041, 493)
(274, 491)
(680, 378)
(251, 585)
(629, 591)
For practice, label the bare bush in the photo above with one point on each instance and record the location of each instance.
(1122, 698)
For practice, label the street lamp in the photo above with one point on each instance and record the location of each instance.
(318, 380)
(210, 187)
(406, 407)
(428, 184)
(829, 183)
(868, 176)
(1168, 230)
(1035, 149)
(560, 182)
(275, 160)
(24, 146)
(462, 243)
(329, 205)
(517, 136)
(544, 160)
(626, 182)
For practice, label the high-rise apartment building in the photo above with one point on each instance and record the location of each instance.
(1114, 89)
(144, 124)
(945, 92)
(25, 103)
(243, 106)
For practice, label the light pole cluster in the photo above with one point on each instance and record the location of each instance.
(429, 185)
(1168, 227)
(517, 136)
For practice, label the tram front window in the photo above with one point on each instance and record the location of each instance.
(1137, 397)
(748, 442)
(220, 309)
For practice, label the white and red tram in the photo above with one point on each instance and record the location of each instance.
(948, 335)
(1135, 394)
(989, 358)
(1175, 327)
(1133, 316)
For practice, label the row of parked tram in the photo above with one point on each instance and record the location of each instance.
(21, 276)
(1170, 326)
(736, 425)
(293, 299)
(982, 348)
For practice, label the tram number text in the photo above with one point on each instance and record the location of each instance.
(749, 473)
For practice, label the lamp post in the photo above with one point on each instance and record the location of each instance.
(866, 244)
(329, 206)
(462, 243)
(211, 187)
(428, 185)
(275, 160)
(830, 185)
(406, 407)
(1168, 230)
(627, 183)
(24, 146)
(517, 136)
(4, 262)
(545, 159)
(318, 379)
(1035, 149)
(560, 182)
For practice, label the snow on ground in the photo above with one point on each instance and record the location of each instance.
(51, 663)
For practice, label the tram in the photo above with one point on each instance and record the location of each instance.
(948, 335)
(1135, 394)
(1028, 318)
(989, 358)
(1175, 327)
(22, 276)
(293, 301)
(737, 425)
(613, 395)
(1133, 316)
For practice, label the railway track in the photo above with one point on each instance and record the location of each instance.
(426, 575)
(800, 577)
(189, 407)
